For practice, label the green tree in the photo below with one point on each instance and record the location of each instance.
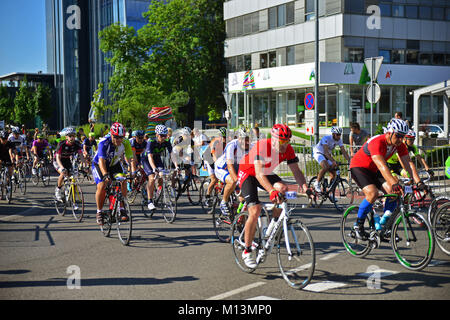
(24, 106)
(42, 102)
(6, 105)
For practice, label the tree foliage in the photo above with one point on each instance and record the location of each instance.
(177, 55)
(6, 105)
(24, 107)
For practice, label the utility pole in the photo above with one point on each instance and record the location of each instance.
(316, 75)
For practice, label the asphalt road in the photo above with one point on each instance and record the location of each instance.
(48, 257)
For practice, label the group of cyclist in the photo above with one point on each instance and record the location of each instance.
(237, 163)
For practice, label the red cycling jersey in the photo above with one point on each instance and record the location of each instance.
(262, 150)
(376, 145)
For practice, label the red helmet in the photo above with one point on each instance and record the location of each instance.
(281, 131)
(117, 129)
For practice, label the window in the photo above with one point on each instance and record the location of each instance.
(309, 10)
(411, 12)
(281, 15)
(239, 26)
(248, 62)
(239, 63)
(263, 61)
(290, 9)
(272, 59)
(425, 12)
(412, 56)
(447, 14)
(354, 6)
(398, 11)
(247, 24)
(231, 28)
(398, 56)
(255, 22)
(386, 54)
(439, 58)
(425, 58)
(290, 55)
(438, 13)
(354, 55)
(447, 59)
(386, 10)
(272, 18)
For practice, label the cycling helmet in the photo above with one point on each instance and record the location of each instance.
(242, 133)
(15, 130)
(186, 130)
(139, 133)
(161, 129)
(281, 131)
(336, 130)
(133, 134)
(398, 126)
(411, 134)
(70, 131)
(223, 131)
(117, 129)
(3, 135)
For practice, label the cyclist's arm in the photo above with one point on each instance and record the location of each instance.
(102, 166)
(298, 175)
(384, 170)
(151, 161)
(351, 145)
(344, 152)
(407, 164)
(327, 154)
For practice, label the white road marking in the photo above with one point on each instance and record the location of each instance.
(381, 272)
(323, 286)
(263, 298)
(236, 291)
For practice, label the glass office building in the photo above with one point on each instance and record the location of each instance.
(73, 52)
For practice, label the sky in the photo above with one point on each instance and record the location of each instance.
(22, 36)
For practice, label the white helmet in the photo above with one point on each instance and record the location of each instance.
(186, 130)
(336, 130)
(398, 125)
(161, 129)
(410, 134)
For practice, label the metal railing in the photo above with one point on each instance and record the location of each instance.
(434, 156)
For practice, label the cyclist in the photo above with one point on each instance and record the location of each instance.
(138, 144)
(19, 143)
(89, 145)
(38, 150)
(6, 152)
(394, 164)
(371, 173)
(152, 162)
(256, 171)
(107, 162)
(322, 154)
(226, 167)
(210, 156)
(62, 161)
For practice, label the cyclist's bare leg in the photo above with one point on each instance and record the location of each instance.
(100, 195)
(150, 186)
(325, 167)
(230, 186)
(211, 184)
(250, 225)
(282, 188)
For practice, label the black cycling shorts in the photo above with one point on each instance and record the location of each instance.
(364, 177)
(249, 188)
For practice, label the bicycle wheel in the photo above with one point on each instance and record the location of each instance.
(238, 243)
(144, 203)
(412, 241)
(356, 247)
(22, 183)
(8, 187)
(342, 195)
(27, 169)
(221, 224)
(441, 227)
(193, 190)
(46, 176)
(124, 228)
(61, 206)
(203, 190)
(296, 255)
(317, 198)
(435, 205)
(76, 202)
(168, 203)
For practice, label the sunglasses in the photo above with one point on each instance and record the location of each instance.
(399, 135)
(283, 142)
(117, 137)
(163, 135)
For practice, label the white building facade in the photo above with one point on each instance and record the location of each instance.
(270, 53)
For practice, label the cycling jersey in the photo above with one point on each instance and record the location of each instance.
(376, 145)
(138, 148)
(66, 150)
(233, 152)
(4, 151)
(112, 154)
(155, 149)
(40, 146)
(89, 144)
(262, 150)
(16, 142)
(329, 142)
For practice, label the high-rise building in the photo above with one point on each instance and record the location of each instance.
(270, 55)
(73, 53)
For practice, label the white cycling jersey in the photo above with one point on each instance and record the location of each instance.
(17, 142)
(232, 152)
(328, 141)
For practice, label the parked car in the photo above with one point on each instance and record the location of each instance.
(431, 129)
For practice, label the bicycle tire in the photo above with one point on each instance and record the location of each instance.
(316, 195)
(435, 205)
(342, 195)
(222, 225)
(77, 207)
(237, 240)
(61, 207)
(441, 227)
(8, 188)
(22, 182)
(35, 178)
(46, 176)
(203, 190)
(193, 190)
(145, 210)
(408, 252)
(354, 246)
(298, 267)
(124, 228)
(168, 203)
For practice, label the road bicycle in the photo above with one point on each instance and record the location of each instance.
(189, 184)
(42, 173)
(339, 192)
(291, 238)
(408, 232)
(441, 227)
(114, 199)
(19, 180)
(222, 223)
(136, 185)
(73, 197)
(6, 184)
(164, 197)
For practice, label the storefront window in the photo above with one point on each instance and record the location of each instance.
(291, 109)
(399, 101)
(385, 105)
(331, 104)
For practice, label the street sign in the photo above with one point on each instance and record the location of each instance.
(309, 114)
(309, 101)
(373, 93)
(373, 66)
(309, 125)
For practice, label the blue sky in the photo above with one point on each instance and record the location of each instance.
(22, 36)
